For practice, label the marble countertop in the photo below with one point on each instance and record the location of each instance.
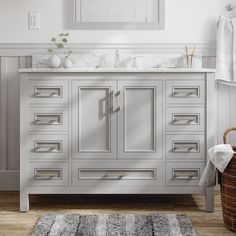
(116, 70)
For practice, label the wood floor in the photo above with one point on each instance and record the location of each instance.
(13, 223)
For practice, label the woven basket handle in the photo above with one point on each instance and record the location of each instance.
(226, 134)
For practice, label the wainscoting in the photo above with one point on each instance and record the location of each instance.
(15, 56)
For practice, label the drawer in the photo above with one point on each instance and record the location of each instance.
(116, 173)
(48, 146)
(47, 91)
(185, 147)
(48, 174)
(184, 174)
(185, 119)
(48, 119)
(185, 91)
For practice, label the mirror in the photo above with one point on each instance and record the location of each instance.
(118, 14)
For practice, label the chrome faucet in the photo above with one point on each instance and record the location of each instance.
(117, 58)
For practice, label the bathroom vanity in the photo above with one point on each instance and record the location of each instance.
(115, 131)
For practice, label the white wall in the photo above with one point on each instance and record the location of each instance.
(187, 21)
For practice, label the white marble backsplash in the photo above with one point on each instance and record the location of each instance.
(144, 61)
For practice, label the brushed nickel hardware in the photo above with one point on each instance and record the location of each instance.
(47, 147)
(185, 92)
(182, 147)
(185, 174)
(112, 101)
(115, 101)
(44, 119)
(118, 101)
(114, 175)
(185, 119)
(47, 174)
(50, 121)
(47, 92)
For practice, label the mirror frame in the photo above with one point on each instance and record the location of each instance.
(73, 24)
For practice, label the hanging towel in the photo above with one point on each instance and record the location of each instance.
(226, 52)
(218, 158)
(233, 21)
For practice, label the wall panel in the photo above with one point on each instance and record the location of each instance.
(13, 131)
(3, 113)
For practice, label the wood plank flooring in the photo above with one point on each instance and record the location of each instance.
(13, 223)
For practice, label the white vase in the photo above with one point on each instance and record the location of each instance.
(54, 61)
(67, 63)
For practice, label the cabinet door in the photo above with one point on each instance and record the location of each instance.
(140, 119)
(93, 123)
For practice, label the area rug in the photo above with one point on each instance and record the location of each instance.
(114, 225)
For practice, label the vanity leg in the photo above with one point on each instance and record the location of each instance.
(209, 199)
(24, 202)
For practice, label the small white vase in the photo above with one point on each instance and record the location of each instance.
(54, 61)
(67, 63)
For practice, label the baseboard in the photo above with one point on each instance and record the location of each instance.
(9, 180)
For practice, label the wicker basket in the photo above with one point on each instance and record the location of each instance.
(228, 189)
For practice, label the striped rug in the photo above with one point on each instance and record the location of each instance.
(114, 225)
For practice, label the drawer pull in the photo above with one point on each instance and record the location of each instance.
(47, 147)
(40, 92)
(47, 119)
(114, 175)
(117, 174)
(185, 119)
(185, 92)
(48, 174)
(186, 174)
(182, 147)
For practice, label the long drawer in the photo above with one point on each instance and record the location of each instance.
(184, 174)
(48, 119)
(185, 119)
(185, 91)
(185, 147)
(116, 173)
(48, 91)
(46, 147)
(48, 174)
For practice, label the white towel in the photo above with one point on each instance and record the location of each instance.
(218, 157)
(233, 21)
(226, 54)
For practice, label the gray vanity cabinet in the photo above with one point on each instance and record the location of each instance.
(84, 132)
